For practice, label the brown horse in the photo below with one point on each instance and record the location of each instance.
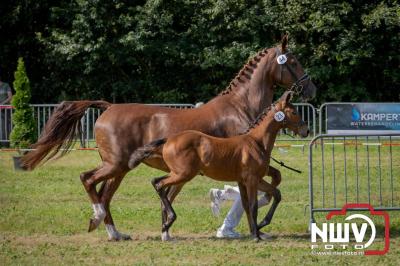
(243, 158)
(122, 128)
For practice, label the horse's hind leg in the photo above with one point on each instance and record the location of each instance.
(89, 180)
(106, 193)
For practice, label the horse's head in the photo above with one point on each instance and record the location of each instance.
(288, 114)
(287, 72)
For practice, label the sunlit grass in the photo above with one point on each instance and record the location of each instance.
(45, 215)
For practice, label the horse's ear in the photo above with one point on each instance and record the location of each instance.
(284, 43)
(286, 97)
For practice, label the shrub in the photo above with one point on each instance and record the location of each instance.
(24, 130)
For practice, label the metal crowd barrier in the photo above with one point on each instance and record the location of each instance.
(309, 115)
(354, 169)
(42, 113)
(5, 122)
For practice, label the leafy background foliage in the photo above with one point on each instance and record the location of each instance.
(188, 50)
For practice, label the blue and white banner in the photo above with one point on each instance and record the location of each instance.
(363, 118)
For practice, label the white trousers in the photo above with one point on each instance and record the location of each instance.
(234, 215)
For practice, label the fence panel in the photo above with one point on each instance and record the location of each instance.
(308, 114)
(5, 122)
(354, 169)
(42, 113)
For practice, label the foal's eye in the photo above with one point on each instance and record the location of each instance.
(294, 113)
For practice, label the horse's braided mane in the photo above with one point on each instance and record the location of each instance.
(245, 72)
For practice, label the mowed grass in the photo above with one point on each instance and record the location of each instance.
(45, 215)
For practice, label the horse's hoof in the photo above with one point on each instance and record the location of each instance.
(93, 224)
(125, 237)
(122, 237)
(256, 239)
(165, 236)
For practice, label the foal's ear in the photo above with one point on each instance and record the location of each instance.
(284, 43)
(286, 97)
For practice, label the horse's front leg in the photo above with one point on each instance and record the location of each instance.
(271, 190)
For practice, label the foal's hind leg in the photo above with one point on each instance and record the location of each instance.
(160, 184)
(89, 180)
(168, 213)
(171, 193)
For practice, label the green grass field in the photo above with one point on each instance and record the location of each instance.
(45, 215)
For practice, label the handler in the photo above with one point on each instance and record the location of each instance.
(232, 219)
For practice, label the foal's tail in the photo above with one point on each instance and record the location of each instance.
(144, 152)
(59, 132)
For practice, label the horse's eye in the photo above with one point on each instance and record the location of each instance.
(294, 113)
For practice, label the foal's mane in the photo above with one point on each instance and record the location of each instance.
(259, 118)
(246, 71)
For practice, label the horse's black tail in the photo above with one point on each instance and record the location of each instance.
(144, 152)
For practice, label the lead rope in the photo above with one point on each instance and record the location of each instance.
(284, 165)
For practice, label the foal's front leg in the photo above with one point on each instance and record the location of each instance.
(248, 194)
(271, 190)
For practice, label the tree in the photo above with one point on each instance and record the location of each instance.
(24, 131)
(187, 50)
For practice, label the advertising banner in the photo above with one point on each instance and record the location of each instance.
(363, 118)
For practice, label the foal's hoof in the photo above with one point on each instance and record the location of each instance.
(265, 236)
(256, 239)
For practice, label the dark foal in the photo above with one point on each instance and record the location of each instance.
(243, 158)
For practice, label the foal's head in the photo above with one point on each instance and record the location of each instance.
(288, 72)
(286, 113)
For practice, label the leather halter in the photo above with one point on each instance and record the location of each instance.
(297, 87)
(285, 121)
